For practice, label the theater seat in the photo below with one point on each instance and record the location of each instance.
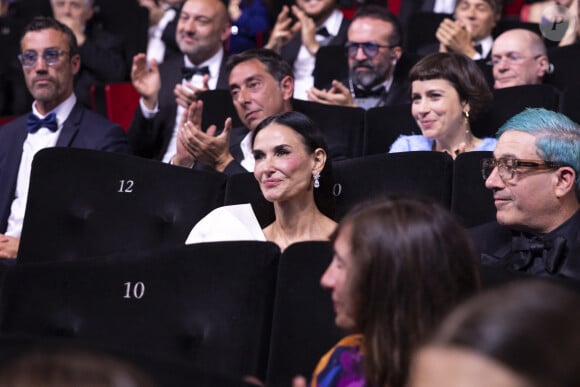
(83, 203)
(471, 202)
(209, 305)
(243, 188)
(303, 326)
(217, 106)
(423, 173)
(383, 125)
(570, 102)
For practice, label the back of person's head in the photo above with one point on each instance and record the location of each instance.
(273, 62)
(557, 137)
(380, 12)
(529, 327)
(462, 72)
(313, 139)
(414, 263)
(41, 23)
(70, 367)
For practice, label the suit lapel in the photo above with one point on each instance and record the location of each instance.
(70, 127)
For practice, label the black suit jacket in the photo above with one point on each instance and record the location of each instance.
(494, 241)
(149, 138)
(82, 129)
(290, 50)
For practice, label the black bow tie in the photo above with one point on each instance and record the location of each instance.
(34, 123)
(526, 249)
(188, 72)
(376, 92)
(323, 32)
(478, 48)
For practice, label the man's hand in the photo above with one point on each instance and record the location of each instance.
(8, 246)
(308, 30)
(206, 147)
(186, 94)
(156, 10)
(338, 94)
(455, 37)
(146, 81)
(283, 30)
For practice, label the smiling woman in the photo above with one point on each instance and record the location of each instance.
(447, 90)
(294, 174)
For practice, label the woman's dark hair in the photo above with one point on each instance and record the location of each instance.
(530, 327)
(413, 263)
(461, 72)
(312, 139)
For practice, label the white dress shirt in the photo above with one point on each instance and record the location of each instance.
(305, 61)
(43, 138)
(155, 45)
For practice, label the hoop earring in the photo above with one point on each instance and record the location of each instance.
(316, 178)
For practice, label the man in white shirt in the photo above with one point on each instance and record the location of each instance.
(50, 59)
(166, 90)
(300, 31)
(470, 32)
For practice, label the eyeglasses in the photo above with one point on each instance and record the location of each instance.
(508, 167)
(50, 55)
(511, 57)
(370, 49)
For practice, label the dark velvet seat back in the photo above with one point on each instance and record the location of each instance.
(84, 203)
(209, 305)
(243, 188)
(471, 202)
(383, 125)
(303, 326)
(423, 173)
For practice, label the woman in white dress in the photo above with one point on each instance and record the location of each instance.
(294, 174)
(447, 90)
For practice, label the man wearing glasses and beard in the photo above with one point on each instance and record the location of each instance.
(373, 50)
(534, 176)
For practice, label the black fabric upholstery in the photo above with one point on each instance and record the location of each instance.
(331, 63)
(471, 202)
(383, 125)
(512, 100)
(84, 203)
(209, 305)
(243, 188)
(342, 127)
(566, 61)
(570, 102)
(303, 326)
(415, 37)
(217, 106)
(423, 172)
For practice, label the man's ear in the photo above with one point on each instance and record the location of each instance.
(287, 87)
(543, 67)
(566, 181)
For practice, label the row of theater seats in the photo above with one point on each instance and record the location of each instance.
(353, 132)
(198, 315)
(85, 203)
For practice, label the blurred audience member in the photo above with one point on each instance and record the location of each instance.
(518, 57)
(101, 52)
(394, 276)
(534, 176)
(294, 174)
(248, 18)
(470, 32)
(447, 89)
(299, 33)
(261, 85)
(373, 48)
(50, 59)
(409, 7)
(524, 334)
(166, 91)
(161, 14)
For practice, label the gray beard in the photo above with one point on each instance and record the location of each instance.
(365, 80)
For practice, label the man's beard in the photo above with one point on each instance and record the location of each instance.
(368, 78)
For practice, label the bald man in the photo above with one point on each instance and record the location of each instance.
(519, 58)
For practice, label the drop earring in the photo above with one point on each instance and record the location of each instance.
(316, 178)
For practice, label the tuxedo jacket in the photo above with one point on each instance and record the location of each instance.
(290, 50)
(495, 240)
(149, 138)
(82, 129)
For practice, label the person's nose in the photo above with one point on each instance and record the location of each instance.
(360, 54)
(40, 64)
(327, 279)
(494, 180)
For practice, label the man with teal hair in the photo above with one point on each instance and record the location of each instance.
(535, 179)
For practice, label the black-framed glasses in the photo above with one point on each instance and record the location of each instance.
(511, 57)
(50, 55)
(370, 49)
(508, 167)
